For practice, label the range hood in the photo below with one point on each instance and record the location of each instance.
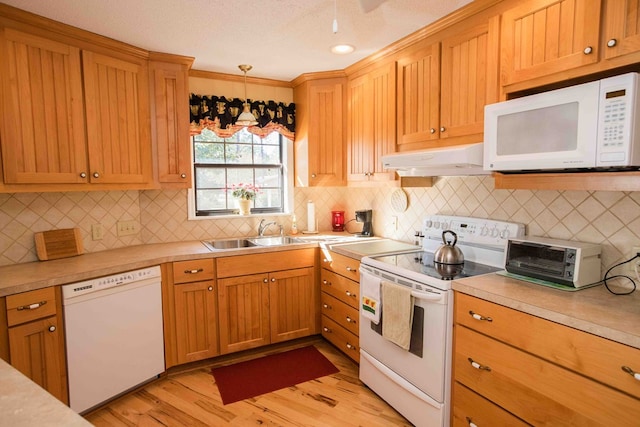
(457, 160)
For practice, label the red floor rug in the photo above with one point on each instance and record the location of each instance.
(263, 375)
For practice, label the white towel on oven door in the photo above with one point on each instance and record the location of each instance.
(370, 304)
(398, 314)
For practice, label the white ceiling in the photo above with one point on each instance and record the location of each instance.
(280, 38)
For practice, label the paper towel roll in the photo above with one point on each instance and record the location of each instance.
(311, 216)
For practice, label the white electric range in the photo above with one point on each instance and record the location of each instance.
(416, 382)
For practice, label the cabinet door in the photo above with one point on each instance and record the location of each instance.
(243, 307)
(196, 321)
(170, 123)
(543, 37)
(326, 137)
(418, 97)
(37, 350)
(622, 28)
(292, 304)
(371, 124)
(43, 134)
(469, 80)
(117, 110)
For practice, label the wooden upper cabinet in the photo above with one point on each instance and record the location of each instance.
(418, 96)
(43, 133)
(469, 80)
(543, 37)
(117, 115)
(169, 87)
(622, 28)
(371, 126)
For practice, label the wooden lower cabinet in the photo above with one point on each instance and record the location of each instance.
(36, 339)
(340, 287)
(539, 371)
(196, 321)
(276, 302)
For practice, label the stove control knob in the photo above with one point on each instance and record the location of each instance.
(428, 223)
(484, 230)
(436, 224)
(445, 225)
(505, 233)
(495, 232)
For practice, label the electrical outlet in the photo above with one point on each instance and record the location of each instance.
(631, 266)
(126, 228)
(97, 232)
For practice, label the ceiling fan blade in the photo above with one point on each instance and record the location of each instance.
(369, 5)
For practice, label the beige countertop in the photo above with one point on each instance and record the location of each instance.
(594, 310)
(24, 403)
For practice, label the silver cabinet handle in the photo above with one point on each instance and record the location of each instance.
(183, 175)
(83, 174)
(478, 366)
(199, 270)
(96, 175)
(588, 50)
(612, 42)
(631, 372)
(480, 317)
(31, 306)
(52, 328)
(210, 288)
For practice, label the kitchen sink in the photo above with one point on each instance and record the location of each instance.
(249, 242)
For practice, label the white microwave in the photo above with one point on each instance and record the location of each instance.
(587, 126)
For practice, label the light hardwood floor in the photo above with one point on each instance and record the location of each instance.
(191, 398)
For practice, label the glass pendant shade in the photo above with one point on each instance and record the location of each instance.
(246, 118)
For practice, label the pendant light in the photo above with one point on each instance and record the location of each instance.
(246, 118)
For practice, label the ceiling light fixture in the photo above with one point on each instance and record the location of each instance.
(246, 118)
(339, 49)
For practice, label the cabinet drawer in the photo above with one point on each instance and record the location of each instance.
(470, 407)
(31, 305)
(343, 265)
(582, 352)
(241, 265)
(193, 271)
(343, 314)
(539, 392)
(340, 287)
(347, 342)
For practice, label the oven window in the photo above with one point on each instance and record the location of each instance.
(417, 330)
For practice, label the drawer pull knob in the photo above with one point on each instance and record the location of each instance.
(83, 174)
(349, 294)
(480, 317)
(349, 269)
(265, 280)
(612, 42)
(327, 330)
(588, 50)
(478, 366)
(327, 306)
(273, 279)
(350, 320)
(32, 306)
(325, 282)
(210, 288)
(183, 175)
(199, 270)
(471, 423)
(350, 347)
(631, 372)
(52, 328)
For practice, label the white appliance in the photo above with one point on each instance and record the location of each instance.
(113, 328)
(592, 125)
(417, 382)
(446, 161)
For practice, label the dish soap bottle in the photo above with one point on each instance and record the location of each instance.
(294, 225)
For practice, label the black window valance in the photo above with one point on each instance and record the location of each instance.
(219, 115)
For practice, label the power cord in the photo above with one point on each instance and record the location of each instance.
(622, 276)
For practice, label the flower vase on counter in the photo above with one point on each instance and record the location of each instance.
(244, 206)
(244, 193)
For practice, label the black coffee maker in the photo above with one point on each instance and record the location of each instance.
(365, 217)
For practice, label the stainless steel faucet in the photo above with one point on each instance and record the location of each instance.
(264, 225)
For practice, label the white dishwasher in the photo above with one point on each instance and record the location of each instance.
(113, 329)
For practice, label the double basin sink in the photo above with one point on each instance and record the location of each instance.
(247, 242)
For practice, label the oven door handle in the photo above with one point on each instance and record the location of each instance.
(427, 296)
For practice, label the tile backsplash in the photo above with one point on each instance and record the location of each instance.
(609, 218)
